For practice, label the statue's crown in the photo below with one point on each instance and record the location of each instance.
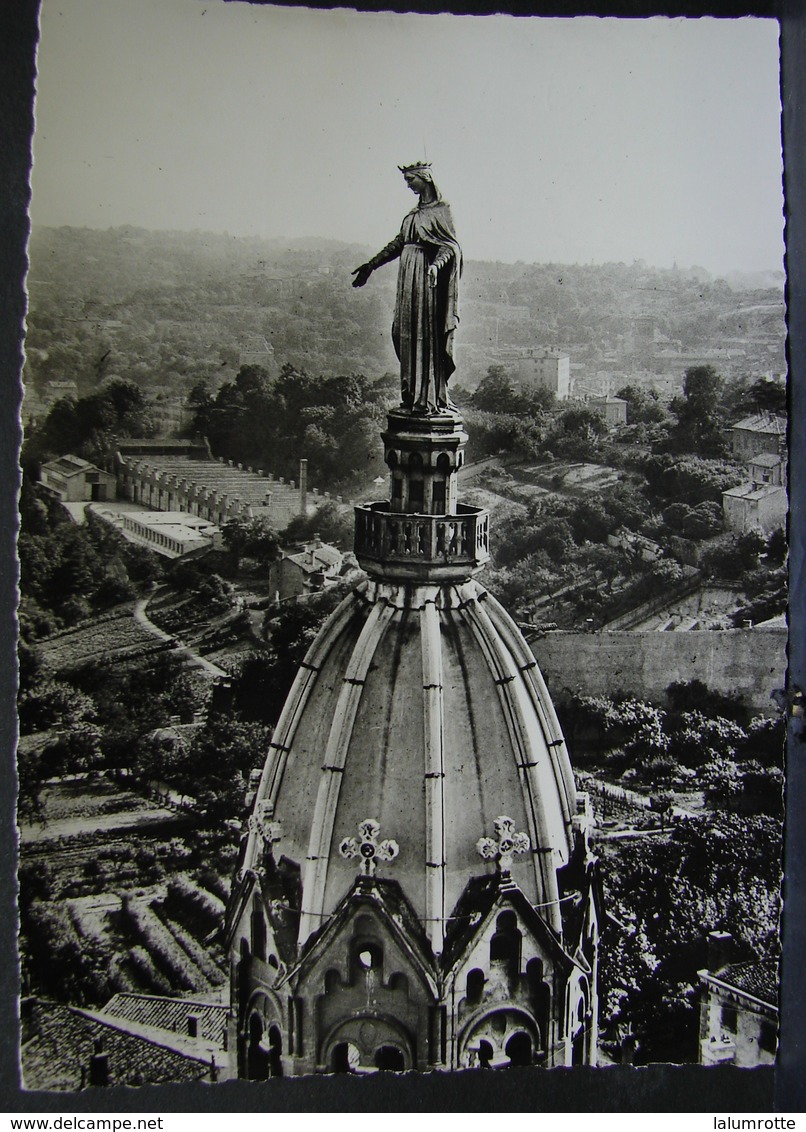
(417, 167)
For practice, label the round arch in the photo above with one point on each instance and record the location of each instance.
(379, 1041)
(500, 1036)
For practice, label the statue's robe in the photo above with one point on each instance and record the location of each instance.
(425, 317)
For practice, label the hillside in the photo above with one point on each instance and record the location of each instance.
(170, 309)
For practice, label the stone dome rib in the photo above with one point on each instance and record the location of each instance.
(434, 770)
(320, 846)
(293, 712)
(539, 694)
(530, 748)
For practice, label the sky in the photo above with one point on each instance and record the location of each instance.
(554, 140)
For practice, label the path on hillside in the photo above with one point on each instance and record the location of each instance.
(98, 823)
(142, 618)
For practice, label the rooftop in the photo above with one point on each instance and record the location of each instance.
(767, 460)
(753, 491)
(170, 1015)
(763, 422)
(760, 980)
(59, 1042)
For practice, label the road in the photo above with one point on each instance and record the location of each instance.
(142, 618)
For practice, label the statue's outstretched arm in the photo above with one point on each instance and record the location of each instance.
(385, 255)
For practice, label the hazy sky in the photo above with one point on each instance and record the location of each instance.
(554, 140)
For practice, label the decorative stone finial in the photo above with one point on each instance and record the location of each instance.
(368, 848)
(508, 843)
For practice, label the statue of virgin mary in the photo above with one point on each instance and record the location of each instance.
(427, 303)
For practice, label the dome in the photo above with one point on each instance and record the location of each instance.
(418, 747)
(421, 707)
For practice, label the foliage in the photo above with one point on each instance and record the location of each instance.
(67, 570)
(214, 766)
(89, 426)
(255, 538)
(732, 560)
(699, 522)
(63, 966)
(495, 393)
(331, 521)
(192, 904)
(699, 424)
(332, 421)
(142, 922)
(643, 407)
(694, 695)
(712, 873)
(690, 479)
(576, 433)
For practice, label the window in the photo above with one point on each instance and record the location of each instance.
(475, 985)
(729, 1019)
(768, 1037)
(369, 956)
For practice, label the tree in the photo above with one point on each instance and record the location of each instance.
(495, 393)
(642, 407)
(699, 424)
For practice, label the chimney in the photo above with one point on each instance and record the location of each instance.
(99, 1066)
(303, 487)
(720, 950)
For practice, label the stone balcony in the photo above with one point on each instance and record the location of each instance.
(426, 548)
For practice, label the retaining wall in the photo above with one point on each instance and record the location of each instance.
(749, 662)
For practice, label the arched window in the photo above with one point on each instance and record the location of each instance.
(345, 1058)
(275, 1052)
(519, 1049)
(257, 1058)
(505, 945)
(475, 986)
(390, 1059)
(485, 1055)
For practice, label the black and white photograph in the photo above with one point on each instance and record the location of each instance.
(402, 546)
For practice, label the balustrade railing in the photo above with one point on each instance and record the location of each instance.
(392, 539)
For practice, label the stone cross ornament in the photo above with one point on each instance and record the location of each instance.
(507, 844)
(369, 849)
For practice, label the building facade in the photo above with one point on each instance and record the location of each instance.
(416, 889)
(763, 432)
(73, 480)
(755, 507)
(545, 369)
(739, 1009)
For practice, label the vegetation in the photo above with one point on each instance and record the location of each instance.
(718, 872)
(333, 421)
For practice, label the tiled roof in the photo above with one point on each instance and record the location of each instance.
(763, 422)
(170, 1015)
(757, 979)
(64, 1039)
(767, 460)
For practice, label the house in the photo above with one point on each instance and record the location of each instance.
(613, 409)
(545, 369)
(762, 432)
(768, 468)
(313, 566)
(739, 1008)
(755, 506)
(73, 480)
(69, 1048)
